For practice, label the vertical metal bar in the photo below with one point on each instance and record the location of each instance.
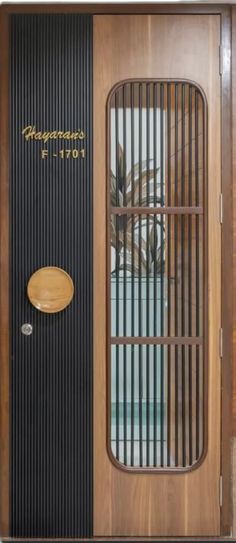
(203, 314)
(132, 278)
(147, 277)
(197, 273)
(140, 287)
(190, 277)
(183, 272)
(169, 271)
(155, 89)
(162, 277)
(124, 283)
(117, 264)
(176, 220)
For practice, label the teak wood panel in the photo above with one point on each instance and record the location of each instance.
(158, 46)
(127, 8)
(234, 211)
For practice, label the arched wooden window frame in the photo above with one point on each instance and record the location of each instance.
(160, 340)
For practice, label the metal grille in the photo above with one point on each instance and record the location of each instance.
(158, 276)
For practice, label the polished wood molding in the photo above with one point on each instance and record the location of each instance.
(234, 209)
(128, 8)
(156, 340)
(157, 210)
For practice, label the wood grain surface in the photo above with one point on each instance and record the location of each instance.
(234, 209)
(125, 47)
(50, 289)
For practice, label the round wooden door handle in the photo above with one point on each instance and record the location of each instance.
(50, 289)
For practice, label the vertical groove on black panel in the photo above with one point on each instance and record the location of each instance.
(51, 225)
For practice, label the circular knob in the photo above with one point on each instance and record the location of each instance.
(50, 289)
(27, 329)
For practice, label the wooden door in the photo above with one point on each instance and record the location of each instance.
(168, 64)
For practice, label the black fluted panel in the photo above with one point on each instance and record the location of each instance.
(51, 224)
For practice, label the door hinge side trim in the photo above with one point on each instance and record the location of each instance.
(221, 59)
(220, 491)
(221, 208)
(221, 342)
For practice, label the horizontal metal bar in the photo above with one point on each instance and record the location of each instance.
(196, 340)
(157, 210)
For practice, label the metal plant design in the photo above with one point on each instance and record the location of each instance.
(137, 239)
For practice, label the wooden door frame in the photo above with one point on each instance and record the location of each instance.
(224, 11)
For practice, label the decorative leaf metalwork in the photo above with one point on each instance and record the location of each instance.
(142, 251)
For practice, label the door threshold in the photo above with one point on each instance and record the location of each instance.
(140, 539)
